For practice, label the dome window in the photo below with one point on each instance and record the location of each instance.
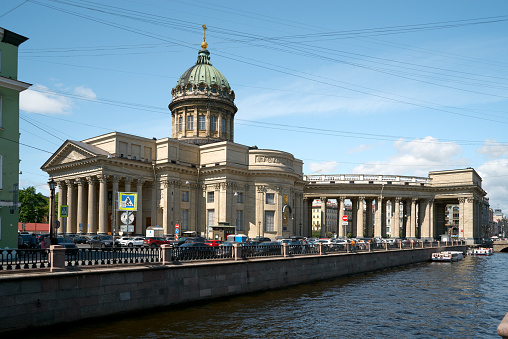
(201, 88)
(190, 89)
(214, 90)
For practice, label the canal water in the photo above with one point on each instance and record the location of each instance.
(465, 299)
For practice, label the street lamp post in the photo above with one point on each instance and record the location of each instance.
(52, 185)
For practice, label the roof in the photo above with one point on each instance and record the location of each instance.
(203, 73)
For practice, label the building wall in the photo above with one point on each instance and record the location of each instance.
(9, 137)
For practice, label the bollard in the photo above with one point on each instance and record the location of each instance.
(321, 249)
(166, 254)
(412, 244)
(369, 247)
(422, 244)
(57, 258)
(285, 250)
(502, 329)
(237, 251)
(400, 244)
(347, 247)
(439, 243)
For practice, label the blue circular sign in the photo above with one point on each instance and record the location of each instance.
(177, 231)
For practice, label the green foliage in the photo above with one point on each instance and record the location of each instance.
(316, 234)
(349, 235)
(34, 206)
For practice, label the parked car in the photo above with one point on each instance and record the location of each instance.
(131, 242)
(194, 250)
(155, 241)
(213, 243)
(70, 246)
(29, 241)
(80, 239)
(102, 240)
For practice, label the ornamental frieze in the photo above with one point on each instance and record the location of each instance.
(273, 160)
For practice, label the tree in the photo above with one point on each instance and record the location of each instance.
(34, 206)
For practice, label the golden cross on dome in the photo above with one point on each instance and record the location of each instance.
(204, 45)
(204, 31)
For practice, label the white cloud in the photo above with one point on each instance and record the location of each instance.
(494, 149)
(417, 157)
(495, 182)
(360, 148)
(85, 92)
(40, 99)
(325, 167)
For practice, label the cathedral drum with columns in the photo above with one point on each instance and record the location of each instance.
(199, 178)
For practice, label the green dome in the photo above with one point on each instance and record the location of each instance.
(203, 73)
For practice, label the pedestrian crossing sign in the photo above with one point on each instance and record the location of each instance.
(128, 201)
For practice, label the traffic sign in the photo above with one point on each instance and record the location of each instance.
(177, 226)
(127, 217)
(344, 218)
(128, 201)
(177, 231)
(64, 211)
(345, 223)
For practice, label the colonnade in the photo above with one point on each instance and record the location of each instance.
(92, 200)
(416, 217)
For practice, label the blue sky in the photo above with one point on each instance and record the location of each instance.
(372, 87)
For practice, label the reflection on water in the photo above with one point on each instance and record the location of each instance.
(465, 299)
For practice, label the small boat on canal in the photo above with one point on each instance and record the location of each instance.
(447, 256)
(483, 251)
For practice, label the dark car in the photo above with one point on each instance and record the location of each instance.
(103, 240)
(80, 239)
(29, 241)
(194, 250)
(70, 247)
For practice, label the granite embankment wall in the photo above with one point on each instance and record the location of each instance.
(30, 299)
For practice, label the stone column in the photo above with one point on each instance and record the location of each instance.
(368, 217)
(91, 220)
(260, 208)
(423, 220)
(469, 220)
(127, 182)
(378, 217)
(62, 200)
(461, 216)
(359, 218)
(103, 204)
(396, 218)
(115, 221)
(153, 206)
(383, 218)
(81, 205)
(407, 217)
(342, 230)
(166, 219)
(323, 216)
(139, 212)
(413, 217)
(307, 206)
(70, 222)
(430, 219)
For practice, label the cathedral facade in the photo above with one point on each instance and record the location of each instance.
(198, 182)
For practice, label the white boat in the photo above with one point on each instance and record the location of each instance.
(458, 254)
(443, 256)
(483, 251)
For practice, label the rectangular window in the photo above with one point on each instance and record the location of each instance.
(180, 124)
(190, 123)
(269, 221)
(185, 196)
(210, 217)
(239, 220)
(223, 125)
(239, 198)
(213, 123)
(210, 197)
(270, 198)
(185, 220)
(201, 122)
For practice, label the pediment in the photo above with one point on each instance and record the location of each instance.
(71, 152)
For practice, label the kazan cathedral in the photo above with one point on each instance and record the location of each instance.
(198, 182)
